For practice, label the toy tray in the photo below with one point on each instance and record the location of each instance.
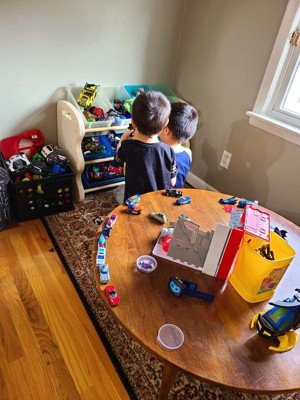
(87, 183)
(132, 89)
(108, 152)
(117, 92)
(166, 90)
(100, 101)
(159, 252)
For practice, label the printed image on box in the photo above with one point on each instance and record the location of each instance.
(271, 281)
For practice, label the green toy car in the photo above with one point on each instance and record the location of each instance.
(160, 217)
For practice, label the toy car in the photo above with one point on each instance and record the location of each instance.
(183, 200)
(173, 192)
(135, 209)
(56, 156)
(104, 273)
(111, 220)
(101, 252)
(46, 150)
(160, 217)
(87, 95)
(112, 296)
(133, 200)
(230, 200)
(18, 163)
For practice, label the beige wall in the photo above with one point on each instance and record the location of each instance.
(47, 45)
(224, 50)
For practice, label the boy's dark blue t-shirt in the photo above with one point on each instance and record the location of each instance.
(149, 166)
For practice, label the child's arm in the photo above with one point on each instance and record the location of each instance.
(173, 173)
(126, 135)
(173, 182)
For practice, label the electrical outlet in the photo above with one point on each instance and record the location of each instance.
(226, 157)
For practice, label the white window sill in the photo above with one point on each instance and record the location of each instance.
(274, 126)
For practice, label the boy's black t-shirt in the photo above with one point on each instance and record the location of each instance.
(149, 166)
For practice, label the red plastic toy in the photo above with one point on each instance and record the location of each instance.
(112, 296)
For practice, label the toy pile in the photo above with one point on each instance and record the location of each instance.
(27, 159)
(104, 171)
(121, 109)
(85, 100)
(90, 144)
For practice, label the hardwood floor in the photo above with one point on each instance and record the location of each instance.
(49, 348)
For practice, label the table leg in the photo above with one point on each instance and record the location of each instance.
(168, 378)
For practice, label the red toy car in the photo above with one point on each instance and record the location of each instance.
(112, 296)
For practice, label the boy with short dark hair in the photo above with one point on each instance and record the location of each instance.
(182, 126)
(150, 164)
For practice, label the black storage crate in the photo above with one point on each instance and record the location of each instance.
(37, 198)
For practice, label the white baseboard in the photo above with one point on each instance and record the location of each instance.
(198, 183)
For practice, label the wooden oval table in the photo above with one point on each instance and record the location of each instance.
(219, 347)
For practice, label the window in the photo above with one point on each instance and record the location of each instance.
(277, 107)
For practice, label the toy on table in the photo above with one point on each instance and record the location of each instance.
(180, 287)
(133, 204)
(243, 203)
(281, 232)
(112, 296)
(183, 200)
(280, 322)
(104, 273)
(108, 224)
(173, 193)
(165, 242)
(101, 252)
(166, 232)
(229, 200)
(160, 217)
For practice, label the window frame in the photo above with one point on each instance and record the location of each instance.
(263, 116)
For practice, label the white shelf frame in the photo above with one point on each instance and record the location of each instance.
(71, 131)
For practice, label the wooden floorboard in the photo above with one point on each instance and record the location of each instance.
(49, 348)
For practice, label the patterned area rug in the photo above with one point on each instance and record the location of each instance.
(72, 234)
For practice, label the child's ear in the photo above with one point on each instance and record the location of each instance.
(166, 130)
(133, 124)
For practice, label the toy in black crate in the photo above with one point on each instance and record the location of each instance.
(40, 197)
(39, 188)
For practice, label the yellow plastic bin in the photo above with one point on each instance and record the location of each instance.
(256, 278)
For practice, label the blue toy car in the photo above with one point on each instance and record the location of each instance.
(183, 200)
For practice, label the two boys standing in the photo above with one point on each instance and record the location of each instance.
(152, 164)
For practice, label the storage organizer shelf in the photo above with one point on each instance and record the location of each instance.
(71, 131)
(40, 197)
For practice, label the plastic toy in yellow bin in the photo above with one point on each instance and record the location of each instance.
(87, 95)
(280, 322)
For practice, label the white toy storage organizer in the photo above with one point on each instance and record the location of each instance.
(71, 131)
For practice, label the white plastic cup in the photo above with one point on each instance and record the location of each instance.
(170, 336)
